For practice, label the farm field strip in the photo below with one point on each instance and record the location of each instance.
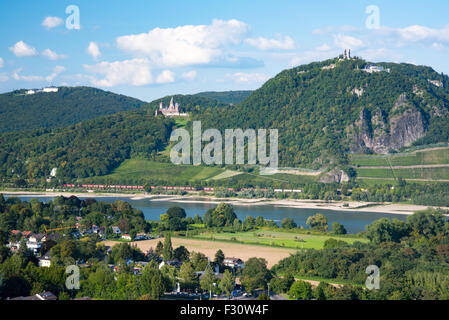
(277, 239)
(425, 157)
(209, 248)
(432, 174)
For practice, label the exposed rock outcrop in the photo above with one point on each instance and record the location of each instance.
(374, 132)
(334, 175)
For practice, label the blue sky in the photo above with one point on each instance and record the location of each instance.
(148, 49)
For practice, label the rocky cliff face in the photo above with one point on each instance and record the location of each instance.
(334, 175)
(380, 133)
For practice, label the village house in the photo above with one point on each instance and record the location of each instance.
(142, 236)
(126, 237)
(234, 263)
(47, 295)
(116, 230)
(45, 260)
(216, 269)
(33, 240)
(98, 230)
(174, 263)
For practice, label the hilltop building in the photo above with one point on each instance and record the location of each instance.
(371, 68)
(171, 111)
(346, 55)
(43, 90)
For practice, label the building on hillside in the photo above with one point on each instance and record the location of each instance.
(52, 89)
(172, 110)
(436, 83)
(43, 90)
(372, 68)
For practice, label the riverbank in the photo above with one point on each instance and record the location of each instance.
(403, 209)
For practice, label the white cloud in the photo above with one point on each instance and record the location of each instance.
(56, 71)
(53, 55)
(313, 55)
(326, 30)
(380, 54)
(166, 77)
(2, 63)
(21, 49)
(190, 75)
(52, 22)
(17, 76)
(345, 42)
(323, 47)
(438, 46)
(3, 77)
(417, 33)
(135, 72)
(241, 77)
(94, 50)
(185, 45)
(286, 43)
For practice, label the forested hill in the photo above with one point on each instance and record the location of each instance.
(90, 148)
(227, 97)
(325, 110)
(70, 105)
(203, 100)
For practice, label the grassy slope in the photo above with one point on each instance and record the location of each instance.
(366, 165)
(138, 169)
(425, 157)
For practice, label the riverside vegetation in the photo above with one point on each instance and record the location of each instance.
(413, 256)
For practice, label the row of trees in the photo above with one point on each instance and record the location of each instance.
(412, 256)
(223, 217)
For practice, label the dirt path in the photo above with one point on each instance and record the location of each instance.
(392, 179)
(420, 166)
(315, 283)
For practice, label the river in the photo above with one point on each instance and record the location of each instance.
(354, 222)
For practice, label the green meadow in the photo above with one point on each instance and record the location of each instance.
(421, 157)
(413, 165)
(294, 240)
(138, 170)
(134, 171)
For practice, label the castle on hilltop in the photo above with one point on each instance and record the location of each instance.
(346, 55)
(171, 111)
